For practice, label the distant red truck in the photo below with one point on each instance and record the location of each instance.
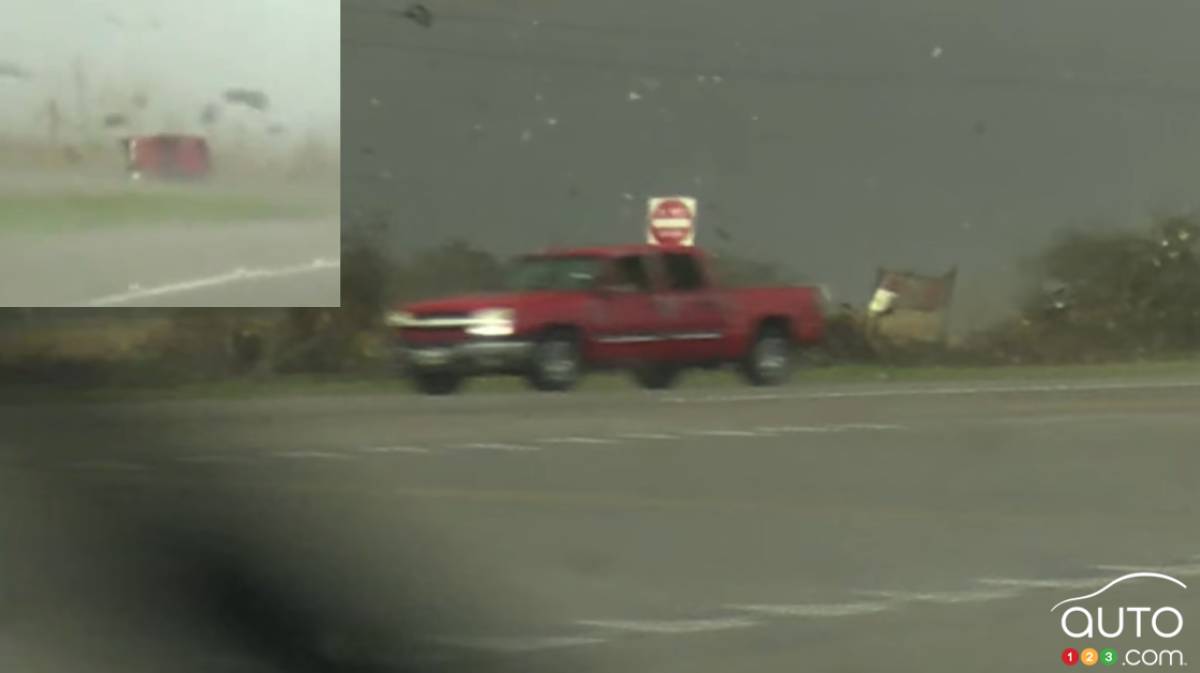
(167, 156)
(653, 310)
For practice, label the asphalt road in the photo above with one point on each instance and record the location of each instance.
(839, 528)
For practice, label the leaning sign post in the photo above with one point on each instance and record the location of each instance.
(671, 221)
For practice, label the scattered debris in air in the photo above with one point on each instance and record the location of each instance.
(374, 102)
(552, 121)
(210, 114)
(251, 98)
(419, 14)
(633, 95)
(8, 69)
(114, 120)
(526, 135)
(936, 53)
(979, 128)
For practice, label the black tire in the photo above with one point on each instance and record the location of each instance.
(556, 363)
(656, 376)
(437, 382)
(768, 362)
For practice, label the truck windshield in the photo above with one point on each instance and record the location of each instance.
(553, 273)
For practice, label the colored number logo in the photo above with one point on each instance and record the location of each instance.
(1070, 657)
(1108, 656)
(1089, 657)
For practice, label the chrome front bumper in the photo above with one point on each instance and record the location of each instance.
(476, 355)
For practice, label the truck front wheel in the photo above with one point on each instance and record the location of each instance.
(769, 360)
(556, 363)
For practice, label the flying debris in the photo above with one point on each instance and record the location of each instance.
(251, 98)
(210, 114)
(9, 69)
(418, 14)
(114, 120)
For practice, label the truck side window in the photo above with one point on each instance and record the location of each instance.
(631, 272)
(683, 272)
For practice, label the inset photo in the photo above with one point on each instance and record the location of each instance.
(166, 153)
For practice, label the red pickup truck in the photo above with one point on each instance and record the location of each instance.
(654, 310)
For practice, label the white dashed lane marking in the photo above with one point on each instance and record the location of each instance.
(1065, 583)
(944, 597)
(815, 610)
(577, 440)
(493, 446)
(518, 643)
(394, 449)
(317, 455)
(115, 466)
(229, 460)
(669, 626)
(726, 433)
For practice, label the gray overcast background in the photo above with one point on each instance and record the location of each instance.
(837, 134)
(183, 53)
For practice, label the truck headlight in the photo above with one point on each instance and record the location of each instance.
(491, 322)
(397, 318)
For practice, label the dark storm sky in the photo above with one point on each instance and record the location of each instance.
(831, 135)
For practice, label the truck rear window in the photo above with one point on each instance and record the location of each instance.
(683, 271)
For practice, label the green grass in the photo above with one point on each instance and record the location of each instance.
(38, 212)
(305, 385)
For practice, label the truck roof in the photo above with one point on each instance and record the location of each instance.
(606, 251)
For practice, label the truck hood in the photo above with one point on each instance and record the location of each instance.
(462, 304)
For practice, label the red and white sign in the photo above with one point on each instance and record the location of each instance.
(672, 220)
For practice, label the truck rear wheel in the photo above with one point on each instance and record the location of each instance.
(769, 360)
(556, 363)
(655, 376)
(437, 383)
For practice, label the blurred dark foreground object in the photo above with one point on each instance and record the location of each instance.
(194, 571)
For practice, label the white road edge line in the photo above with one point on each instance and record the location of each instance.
(945, 390)
(235, 276)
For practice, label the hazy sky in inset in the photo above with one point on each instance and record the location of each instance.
(183, 53)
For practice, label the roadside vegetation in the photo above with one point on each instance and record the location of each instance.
(1121, 302)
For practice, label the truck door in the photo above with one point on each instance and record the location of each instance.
(625, 321)
(694, 321)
